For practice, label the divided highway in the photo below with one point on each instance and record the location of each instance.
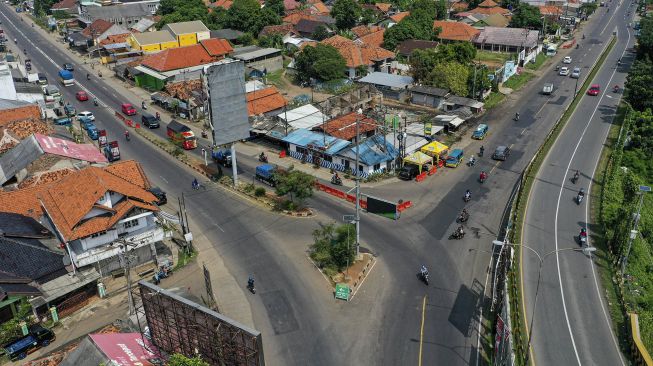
(572, 323)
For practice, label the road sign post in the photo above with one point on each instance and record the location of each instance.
(342, 291)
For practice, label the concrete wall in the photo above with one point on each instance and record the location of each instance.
(187, 39)
(141, 256)
(271, 64)
(426, 100)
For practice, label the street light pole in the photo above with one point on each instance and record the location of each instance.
(633, 232)
(358, 183)
(541, 258)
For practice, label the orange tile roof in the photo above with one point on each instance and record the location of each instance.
(384, 7)
(489, 11)
(363, 30)
(460, 6)
(356, 54)
(372, 39)
(96, 28)
(19, 113)
(115, 38)
(320, 8)
(182, 57)
(217, 46)
(294, 18)
(550, 10)
(488, 4)
(455, 31)
(225, 4)
(282, 29)
(69, 199)
(344, 127)
(264, 100)
(399, 16)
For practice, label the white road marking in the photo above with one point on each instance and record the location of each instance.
(162, 178)
(564, 179)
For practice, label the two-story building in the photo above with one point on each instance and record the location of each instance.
(95, 213)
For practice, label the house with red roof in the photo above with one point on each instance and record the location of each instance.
(100, 29)
(489, 7)
(266, 102)
(156, 69)
(361, 58)
(344, 127)
(68, 6)
(455, 31)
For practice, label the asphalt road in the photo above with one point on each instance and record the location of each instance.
(572, 323)
(382, 325)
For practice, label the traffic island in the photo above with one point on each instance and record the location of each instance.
(352, 278)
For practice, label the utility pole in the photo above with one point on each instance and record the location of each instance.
(633, 232)
(358, 183)
(126, 262)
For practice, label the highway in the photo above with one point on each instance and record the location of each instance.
(394, 318)
(572, 322)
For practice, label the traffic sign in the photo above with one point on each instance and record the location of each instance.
(348, 218)
(342, 291)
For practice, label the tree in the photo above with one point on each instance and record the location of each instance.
(368, 16)
(422, 62)
(509, 4)
(181, 360)
(479, 80)
(451, 76)
(274, 40)
(173, 11)
(441, 10)
(418, 25)
(11, 328)
(322, 62)
(297, 184)
(276, 6)
(639, 92)
(645, 38)
(248, 16)
(334, 246)
(320, 33)
(346, 13)
(588, 8)
(526, 16)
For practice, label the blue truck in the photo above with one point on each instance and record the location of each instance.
(37, 337)
(222, 156)
(266, 174)
(66, 77)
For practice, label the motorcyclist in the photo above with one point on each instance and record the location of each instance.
(517, 116)
(335, 177)
(88, 76)
(143, 105)
(464, 215)
(195, 183)
(482, 150)
(423, 271)
(583, 233)
(16, 40)
(158, 117)
(472, 160)
(95, 101)
(583, 35)
(250, 281)
(127, 135)
(483, 175)
(460, 231)
(468, 194)
(262, 157)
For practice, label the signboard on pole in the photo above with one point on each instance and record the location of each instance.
(342, 291)
(382, 207)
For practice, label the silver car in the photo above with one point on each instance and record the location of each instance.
(564, 71)
(575, 73)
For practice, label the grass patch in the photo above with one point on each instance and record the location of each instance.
(183, 258)
(514, 276)
(493, 100)
(493, 57)
(517, 82)
(539, 61)
(276, 78)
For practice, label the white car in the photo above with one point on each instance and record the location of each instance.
(575, 73)
(86, 114)
(564, 71)
(566, 60)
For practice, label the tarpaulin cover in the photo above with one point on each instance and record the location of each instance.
(435, 148)
(418, 158)
(227, 102)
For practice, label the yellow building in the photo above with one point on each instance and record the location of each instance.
(152, 41)
(188, 33)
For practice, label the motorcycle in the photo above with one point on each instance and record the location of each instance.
(516, 117)
(144, 106)
(574, 179)
(204, 134)
(95, 102)
(424, 276)
(482, 178)
(336, 180)
(577, 46)
(463, 217)
(250, 286)
(615, 89)
(557, 67)
(263, 158)
(165, 271)
(582, 237)
(127, 137)
(467, 197)
(579, 198)
(457, 235)
(471, 162)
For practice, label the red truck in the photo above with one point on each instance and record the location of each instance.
(181, 135)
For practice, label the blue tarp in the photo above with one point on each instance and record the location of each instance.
(304, 138)
(371, 152)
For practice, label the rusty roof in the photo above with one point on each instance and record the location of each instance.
(344, 127)
(358, 54)
(264, 100)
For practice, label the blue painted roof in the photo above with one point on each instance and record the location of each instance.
(302, 137)
(370, 151)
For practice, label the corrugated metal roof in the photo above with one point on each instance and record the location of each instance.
(306, 116)
(304, 138)
(384, 79)
(373, 150)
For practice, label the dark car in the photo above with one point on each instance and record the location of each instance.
(408, 172)
(68, 66)
(501, 153)
(161, 198)
(149, 120)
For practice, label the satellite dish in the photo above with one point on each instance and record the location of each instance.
(66, 260)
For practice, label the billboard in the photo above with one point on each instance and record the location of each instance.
(381, 207)
(178, 325)
(227, 102)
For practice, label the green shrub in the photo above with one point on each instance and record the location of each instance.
(249, 187)
(259, 192)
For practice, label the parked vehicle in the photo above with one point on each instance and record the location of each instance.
(69, 109)
(86, 114)
(454, 158)
(501, 153)
(62, 121)
(28, 65)
(149, 120)
(66, 77)
(51, 90)
(160, 195)
(68, 66)
(92, 131)
(265, 173)
(112, 151)
(84, 122)
(128, 109)
(181, 135)
(480, 132)
(37, 337)
(408, 172)
(222, 156)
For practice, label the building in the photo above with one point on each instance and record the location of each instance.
(376, 155)
(316, 148)
(150, 42)
(489, 7)
(15, 110)
(143, 25)
(344, 127)
(392, 86)
(188, 33)
(95, 213)
(307, 27)
(125, 15)
(407, 47)
(262, 59)
(515, 40)
(304, 117)
(455, 31)
(266, 102)
(68, 6)
(361, 58)
(100, 29)
(428, 96)
(158, 68)
(455, 103)
(106, 348)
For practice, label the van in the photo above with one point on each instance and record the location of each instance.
(455, 158)
(43, 80)
(480, 132)
(149, 120)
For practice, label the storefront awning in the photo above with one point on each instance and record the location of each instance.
(435, 148)
(418, 158)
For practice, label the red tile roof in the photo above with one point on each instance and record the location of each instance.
(217, 46)
(205, 52)
(363, 30)
(318, 7)
(225, 4)
(115, 38)
(455, 31)
(291, 4)
(399, 16)
(372, 39)
(282, 29)
(384, 7)
(550, 10)
(64, 4)
(264, 100)
(489, 7)
(294, 18)
(19, 113)
(344, 127)
(356, 54)
(488, 4)
(68, 201)
(96, 28)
